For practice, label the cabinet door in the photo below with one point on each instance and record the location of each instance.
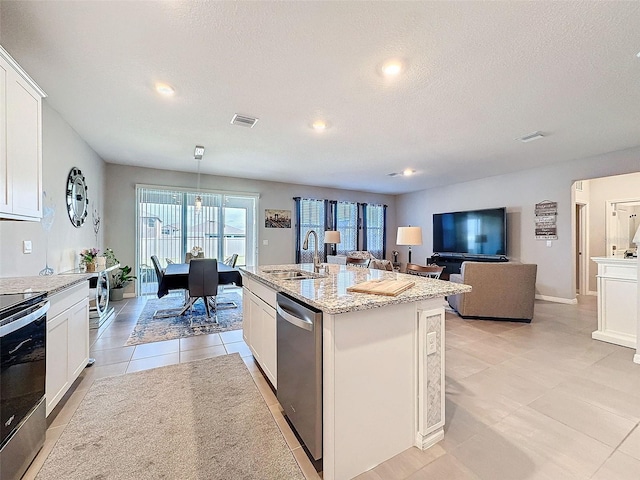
(255, 334)
(269, 357)
(57, 359)
(5, 171)
(24, 147)
(246, 316)
(78, 339)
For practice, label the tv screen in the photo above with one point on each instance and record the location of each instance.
(476, 232)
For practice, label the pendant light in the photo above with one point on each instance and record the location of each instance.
(197, 154)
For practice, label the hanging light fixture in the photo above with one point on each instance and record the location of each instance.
(198, 154)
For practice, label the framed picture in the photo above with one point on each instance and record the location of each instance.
(277, 218)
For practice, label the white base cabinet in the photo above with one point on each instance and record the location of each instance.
(67, 341)
(259, 325)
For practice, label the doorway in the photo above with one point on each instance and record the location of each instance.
(582, 249)
(623, 219)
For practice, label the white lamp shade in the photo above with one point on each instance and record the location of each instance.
(331, 236)
(636, 237)
(409, 236)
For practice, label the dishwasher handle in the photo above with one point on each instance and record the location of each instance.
(298, 322)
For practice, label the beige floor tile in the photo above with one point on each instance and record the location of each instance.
(109, 342)
(619, 467)
(446, 467)
(200, 341)
(238, 347)
(287, 433)
(408, 462)
(459, 364)
(265, 391)
(568, 448)
(307, 468)
(200, 353)
(596, 422)
(231, 337)
(112, 355)
(460, 425)
(153, 362)
(499, 381)
(91, 374)
(252, 365)
(631, 445)
(156, 348)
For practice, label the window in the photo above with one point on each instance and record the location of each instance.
(374, 226)
(347, 224)
(169, 226)
(311, 215)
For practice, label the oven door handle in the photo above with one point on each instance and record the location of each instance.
(23, 321)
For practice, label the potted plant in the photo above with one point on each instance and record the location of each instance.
(119, 280)
(88, 258)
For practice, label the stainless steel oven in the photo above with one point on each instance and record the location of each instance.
(23, 327)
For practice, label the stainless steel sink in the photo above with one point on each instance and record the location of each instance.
(292, 274)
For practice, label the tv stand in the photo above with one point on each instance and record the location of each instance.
(452, 261)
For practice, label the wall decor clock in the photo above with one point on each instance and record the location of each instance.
(77, 200)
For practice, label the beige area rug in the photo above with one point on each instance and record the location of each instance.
(149, 329)
(197, 420)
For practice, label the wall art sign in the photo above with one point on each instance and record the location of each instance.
(546, 217)
(277, 218)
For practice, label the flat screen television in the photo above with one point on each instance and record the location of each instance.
(475, 232)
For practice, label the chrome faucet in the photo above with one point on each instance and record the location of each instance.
(305, 246)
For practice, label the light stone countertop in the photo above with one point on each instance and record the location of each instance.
(51, 284)
(330, 295)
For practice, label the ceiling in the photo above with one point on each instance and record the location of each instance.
(477, 75)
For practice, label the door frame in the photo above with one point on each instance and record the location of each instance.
(609, 220)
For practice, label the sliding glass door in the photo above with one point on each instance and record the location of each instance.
(172, 222)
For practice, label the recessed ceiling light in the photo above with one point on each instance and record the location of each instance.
(638, 54)
(391, 68)
(407, 171)
(319, 125)
(165, 89)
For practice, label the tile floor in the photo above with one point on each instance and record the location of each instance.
(524, 401)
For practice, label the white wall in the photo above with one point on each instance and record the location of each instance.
(120, 211)
(62, 148)
(519, 192)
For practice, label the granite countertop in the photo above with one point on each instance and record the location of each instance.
(329, 292)
(51, 284)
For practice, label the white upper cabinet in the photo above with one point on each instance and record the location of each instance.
(20, 142)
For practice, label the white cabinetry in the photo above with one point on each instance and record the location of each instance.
(20, 142)
(617, 301)
(259, 325)
(67, 341)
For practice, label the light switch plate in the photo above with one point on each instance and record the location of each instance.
(26, 246)
(265, 242)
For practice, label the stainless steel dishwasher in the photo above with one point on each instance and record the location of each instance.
(299, 341)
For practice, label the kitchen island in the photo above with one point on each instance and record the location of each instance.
(382, 358)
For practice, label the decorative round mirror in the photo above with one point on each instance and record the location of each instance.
(77, 201)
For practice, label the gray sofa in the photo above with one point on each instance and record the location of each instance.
(501, 291)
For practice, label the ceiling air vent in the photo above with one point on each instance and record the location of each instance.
(244, 120)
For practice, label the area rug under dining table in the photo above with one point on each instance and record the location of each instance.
(149, 329)
(196, 420)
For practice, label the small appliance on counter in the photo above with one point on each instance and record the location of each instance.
(23, 425)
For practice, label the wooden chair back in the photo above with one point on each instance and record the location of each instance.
(432, 271)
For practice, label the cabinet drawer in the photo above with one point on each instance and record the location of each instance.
(266, 294)
(67, 298)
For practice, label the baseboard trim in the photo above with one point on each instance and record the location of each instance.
(636, 358)
(592, 293)
(425, 441)
(548, 298)
(129, 295)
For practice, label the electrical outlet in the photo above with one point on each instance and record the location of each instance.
(265, 242)
(26, 246)
(549, 243)
(431, 343)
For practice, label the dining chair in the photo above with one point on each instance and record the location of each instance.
(203, 283)
(431, 271)
(231, 261)
(358, 262)
(167, 312)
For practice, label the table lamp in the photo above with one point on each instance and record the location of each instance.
(332, 237)
(409, 236)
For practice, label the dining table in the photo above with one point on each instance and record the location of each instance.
(176, 277)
